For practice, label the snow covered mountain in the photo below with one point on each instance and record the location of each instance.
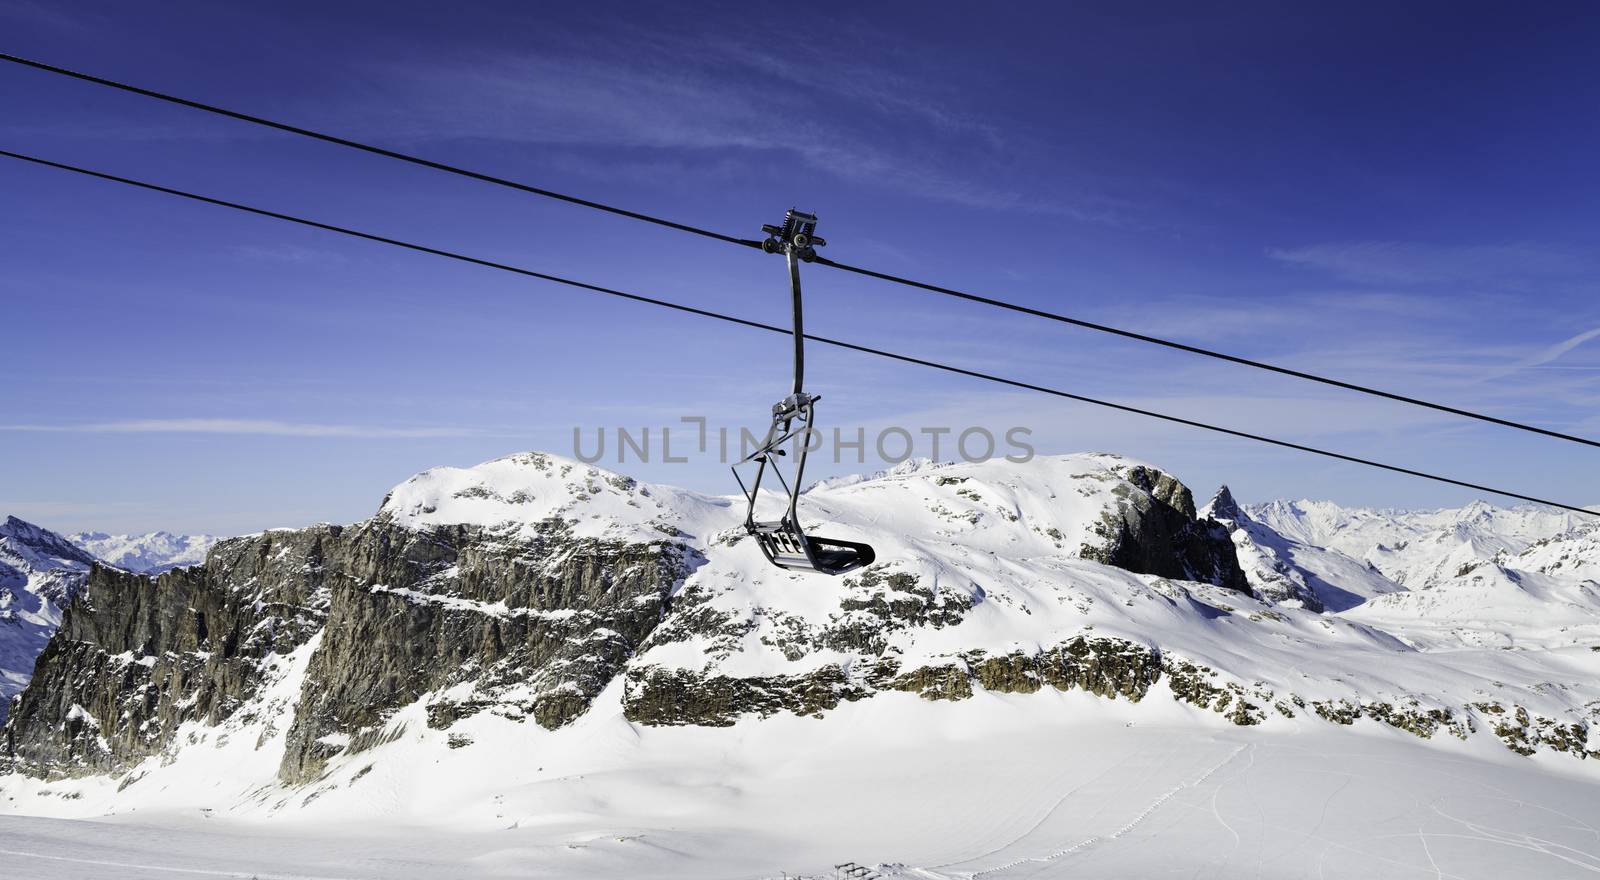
(1477, 576)
(534, 639)
(40, 572)
(150, 553)
(1289, 567)
(1417, 549)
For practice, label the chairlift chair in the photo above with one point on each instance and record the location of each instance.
(783, 541)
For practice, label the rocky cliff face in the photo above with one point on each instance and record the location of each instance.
(1287, 571)
(528, 618)
(137, 657)
(1154, 530)
(530, 627)
(1270, 574)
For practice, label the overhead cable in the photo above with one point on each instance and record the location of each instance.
(749, 243)
(720, 316)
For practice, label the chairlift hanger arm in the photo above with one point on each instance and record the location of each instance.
(797, 240)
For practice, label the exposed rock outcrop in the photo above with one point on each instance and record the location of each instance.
(532, 627)
(1154, 530)
(1223, 507)
(136, 657)
(528, 618)
(1106, 667)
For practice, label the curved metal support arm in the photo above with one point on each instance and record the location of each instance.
(799, 326)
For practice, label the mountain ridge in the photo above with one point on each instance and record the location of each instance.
(538, 589)
(40, 573)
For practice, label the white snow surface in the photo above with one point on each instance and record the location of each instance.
(995, 788)
(1441, 610)
(149, 553)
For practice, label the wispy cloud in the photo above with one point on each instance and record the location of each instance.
(1546, 355)
(286, 253)
(263, 427)
(842, 72)
(1556, 351)
(1394, 262)
(826, 111)
(860, 112)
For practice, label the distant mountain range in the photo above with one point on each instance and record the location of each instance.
(150, 553)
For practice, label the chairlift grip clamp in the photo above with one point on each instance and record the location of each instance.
(797, 236)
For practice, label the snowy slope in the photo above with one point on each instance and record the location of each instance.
(39, 572)
(1492, 605)
(1043, 787)
(1544, 595)
(1575, 555)
(989, 700)
(150, 553)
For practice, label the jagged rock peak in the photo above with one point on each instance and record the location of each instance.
(1223, 507)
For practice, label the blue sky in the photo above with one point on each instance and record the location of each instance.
(1402, 198)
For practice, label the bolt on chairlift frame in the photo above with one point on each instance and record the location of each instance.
(782, 541)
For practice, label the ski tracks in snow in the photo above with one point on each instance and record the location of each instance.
(162, 869)
(1133, 823)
